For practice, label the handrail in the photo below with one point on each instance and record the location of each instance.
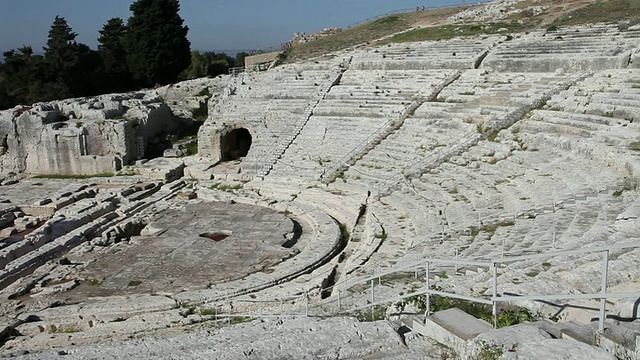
(493, 300)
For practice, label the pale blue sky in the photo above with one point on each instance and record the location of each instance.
(213, 24)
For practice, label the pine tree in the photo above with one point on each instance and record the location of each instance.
(156, 41)
(114, 60)
(61, 51)
(69, 66)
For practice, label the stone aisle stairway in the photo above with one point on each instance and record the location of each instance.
(384, 131)
(283, 143)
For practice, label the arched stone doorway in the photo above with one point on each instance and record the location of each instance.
(235, 144)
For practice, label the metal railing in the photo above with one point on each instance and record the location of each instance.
(334, 305)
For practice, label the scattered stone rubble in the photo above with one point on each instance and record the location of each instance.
(301, 37)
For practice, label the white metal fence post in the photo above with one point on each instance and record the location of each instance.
(494, 294)
(456, 264)
(428, 295)
(603, 290)
(339, 303)
(306, 303)
(373, 300)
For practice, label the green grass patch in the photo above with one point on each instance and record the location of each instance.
(228, 188)
(382, 236)
(344, 231)
(191, 148)
(533, 273)
(489, 228)
(451, 31)
(207, 312)
(67, 176)
(623, 12)
(629, 185)
(133, 283)
(356, 35)
(94, 282)
(510, 315)
(364, 315)
(240, 319)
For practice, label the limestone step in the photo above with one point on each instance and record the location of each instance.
(578, 332)
(624, 334)
(452, 323)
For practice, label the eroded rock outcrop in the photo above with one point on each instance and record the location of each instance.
(98, 134)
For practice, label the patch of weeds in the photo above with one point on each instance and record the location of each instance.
(94, 282)
(445, 352)
(546, 265)
(382, 236)
(612, 11)
(635, 146)
(507, 316)
(240, 319)
(552, 28)
(37, 184)
(489, 228)
(451, 31)
(629, 185)
(489, 352)
(364, 315)
(608, 114)
(207, 312)
(133, 283)
(68, 329)
(294, 196)
(443, 275)
(190, 148)
(227, 188)
(344, 231)
(533, 273)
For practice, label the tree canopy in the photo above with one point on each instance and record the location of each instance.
(156, 41)
(149, 49)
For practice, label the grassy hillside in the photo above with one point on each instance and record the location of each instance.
(366, 33)
(625, 12)
(432, 24)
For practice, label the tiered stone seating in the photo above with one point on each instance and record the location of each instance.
(446, 54)
(595, 117)
(363, 103)
(586, 48)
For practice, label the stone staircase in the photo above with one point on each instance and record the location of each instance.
(456, 329)
(294, 130)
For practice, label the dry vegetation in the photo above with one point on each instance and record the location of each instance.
(434, 25)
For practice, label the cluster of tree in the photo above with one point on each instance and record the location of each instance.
(212, 64)
(150, 49)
